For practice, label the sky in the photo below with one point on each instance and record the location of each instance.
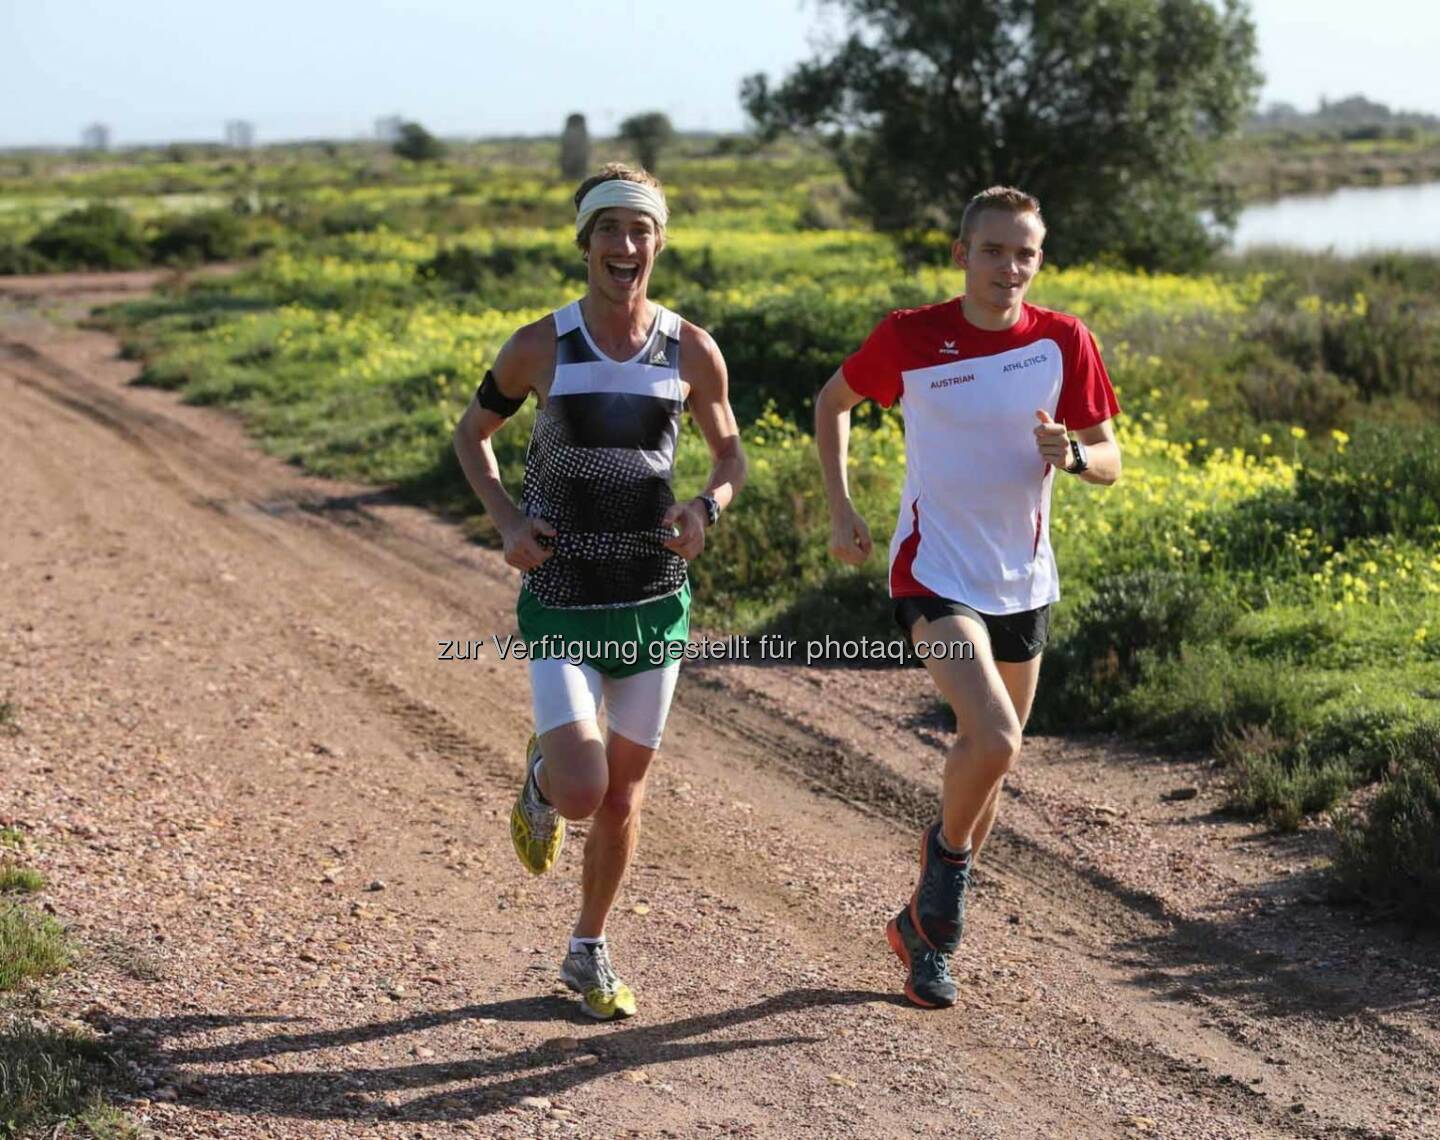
(162, 70)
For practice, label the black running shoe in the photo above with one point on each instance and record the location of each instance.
(937, 908)
(927, 981)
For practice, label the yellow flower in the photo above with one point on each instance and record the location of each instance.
(1297, 432)
(1265, 440)
(1340, 438)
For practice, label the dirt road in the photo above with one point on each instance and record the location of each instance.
(276, 821)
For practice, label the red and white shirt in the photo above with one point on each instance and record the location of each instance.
(974, 522)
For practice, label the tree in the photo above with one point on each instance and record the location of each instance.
(1109, 111)
(650, 133)
(417, 144)
(574, 149)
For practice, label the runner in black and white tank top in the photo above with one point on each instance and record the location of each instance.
(599, 466)
(605, 608)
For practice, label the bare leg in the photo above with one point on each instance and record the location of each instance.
(613, 834)
(988, 731)
(1020, 679)
(574, 775)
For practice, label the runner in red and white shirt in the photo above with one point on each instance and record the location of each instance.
(997, 396)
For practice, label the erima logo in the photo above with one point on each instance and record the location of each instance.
(949, 346)
(1026, 363)
(946, 381)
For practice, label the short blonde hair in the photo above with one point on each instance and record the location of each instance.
(616, 172)
(1006, 199)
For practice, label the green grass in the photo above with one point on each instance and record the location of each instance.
(11, 837)
(48, 1083)
(24, 880)
(99, 1121)
(32, 945)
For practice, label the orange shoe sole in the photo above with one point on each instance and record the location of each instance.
(892, 935)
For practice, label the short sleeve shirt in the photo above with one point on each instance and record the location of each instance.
(974, 513)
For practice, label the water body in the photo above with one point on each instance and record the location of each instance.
(1355, 219)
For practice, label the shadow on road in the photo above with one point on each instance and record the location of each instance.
(464, 1089)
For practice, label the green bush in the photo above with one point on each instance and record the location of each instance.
(782, 348)
(1130, 623)
(1391, 856)
(1278, 390)
(351, 218)
(189, 239)
(417, 144)
(1386, 483)
(1373, 323)
(1207, 692)
(1272, 776)
(19, 259)
(503, 269)
(95, 237)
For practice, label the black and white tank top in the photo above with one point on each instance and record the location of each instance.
(599, 466)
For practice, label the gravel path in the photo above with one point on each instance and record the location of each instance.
(276, 822)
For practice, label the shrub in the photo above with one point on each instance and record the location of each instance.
(1206, 693)
(1391, 856)
(1271, 776)
(1131, 620)
(417, 144)
(18, 259)
(95, 237)
(1386, 483)
(188, 239)
(503, 267)
(351, 218)
(1278, 390)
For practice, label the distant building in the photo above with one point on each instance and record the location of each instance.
(95, 137)
(387, 129)
(239, 134)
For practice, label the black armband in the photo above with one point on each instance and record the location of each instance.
(489, 397)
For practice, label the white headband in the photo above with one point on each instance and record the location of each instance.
(618, 192)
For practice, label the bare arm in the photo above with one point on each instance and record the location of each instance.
(516, 369)
(703, 367)
(849, 536)
(1102, 449)
(1102, 452)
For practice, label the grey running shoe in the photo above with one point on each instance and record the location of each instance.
(536, 828)
(927, 980)
(937, 908)
(589, 973)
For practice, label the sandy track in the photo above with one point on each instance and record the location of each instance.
(234, 725)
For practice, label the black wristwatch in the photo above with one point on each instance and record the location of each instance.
(1081, 457)
(712, 508)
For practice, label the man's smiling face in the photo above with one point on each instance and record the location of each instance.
(1001, 258)
(623, 245)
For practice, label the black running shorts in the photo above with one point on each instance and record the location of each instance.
(1013, 637)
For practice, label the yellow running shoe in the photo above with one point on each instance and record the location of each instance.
(589, 973)
(536, 828)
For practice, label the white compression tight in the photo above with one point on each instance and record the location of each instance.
(636, 706)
